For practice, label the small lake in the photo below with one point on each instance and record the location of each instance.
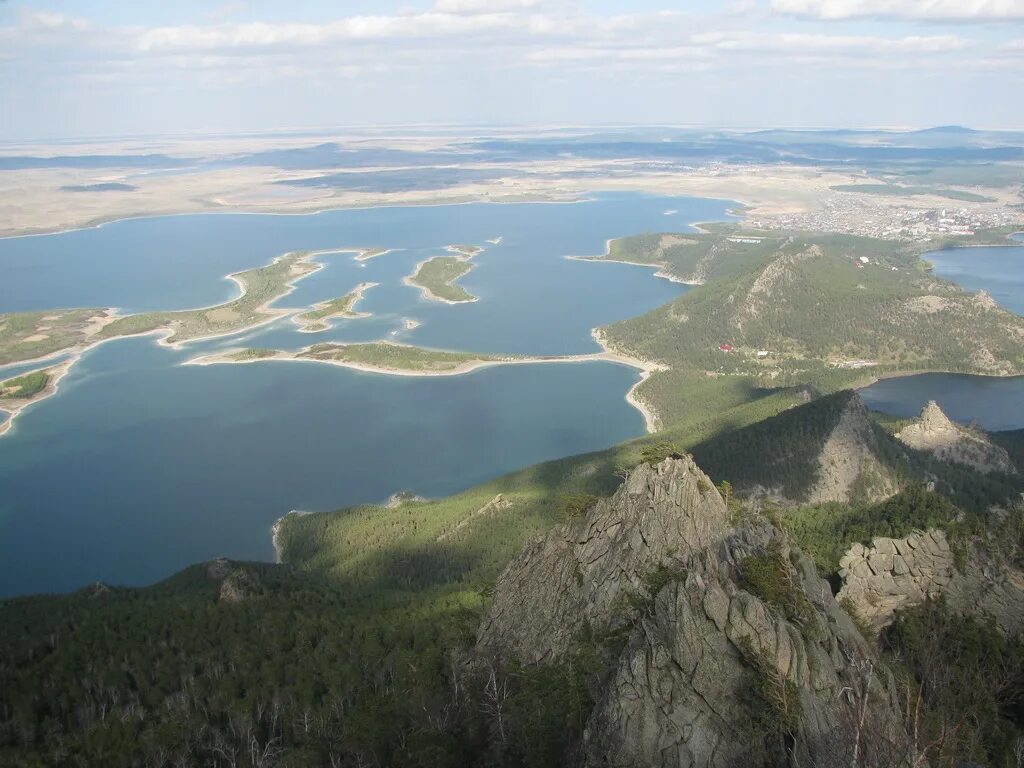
(993, 403)
(140, 466)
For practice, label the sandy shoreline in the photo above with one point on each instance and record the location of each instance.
(646, 368)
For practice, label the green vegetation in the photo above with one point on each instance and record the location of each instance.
(396, 357)
(655, 453)
(963, 682)
(28, 335)
(24, 387)
(779, 710)
(578, 504)
(340, 307)
(770, 576)
(260, 287)
(826, 531)
(253, 353)
(895, 190)
(436, 277)
(1012, 441)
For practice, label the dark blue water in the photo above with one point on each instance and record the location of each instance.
(990, 402)
(140, 466)
(993, 403)
(998, 270)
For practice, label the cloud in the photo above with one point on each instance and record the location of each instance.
(354, 28)
(45, 20)
(909, 10)
(475, 7)
(817, 43)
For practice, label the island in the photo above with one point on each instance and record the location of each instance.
(314, 320)
(435, 277)
(393, 358)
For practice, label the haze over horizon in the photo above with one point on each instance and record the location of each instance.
(89, 68)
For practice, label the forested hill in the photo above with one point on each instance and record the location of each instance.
(833, 449)
(825, 310)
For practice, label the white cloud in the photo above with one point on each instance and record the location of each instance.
(473, 7)
(45, 20)
(264, 35)
(798, 43)
(911, 10)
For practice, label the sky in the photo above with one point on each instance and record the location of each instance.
(91, 68)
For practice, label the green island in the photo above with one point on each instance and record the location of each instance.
(344, 306)
(24, 387)
(436, 278)
(371, 642)
(397, 357)
(379, 356)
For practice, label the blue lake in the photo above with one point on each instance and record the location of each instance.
(139, 466)
(993, 403)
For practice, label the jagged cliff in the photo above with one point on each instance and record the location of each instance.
(580, 573)
(735, 652)
(850, 458)
(937, 434)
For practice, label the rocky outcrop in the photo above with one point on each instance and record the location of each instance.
(935, 433)
(901, 573)
(237, 583)
(713, 670)
(714, 667)
(577, 576)
(849, 460)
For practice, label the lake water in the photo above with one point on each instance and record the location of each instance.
(993, 403)
(140, 466)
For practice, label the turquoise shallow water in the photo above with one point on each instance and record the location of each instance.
(140, 466)
(995, 404)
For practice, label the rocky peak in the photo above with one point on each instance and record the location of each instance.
(933, 419)
(935, 433)
(237, 582)
(848, 454)
(579, 574)
(718, 626)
